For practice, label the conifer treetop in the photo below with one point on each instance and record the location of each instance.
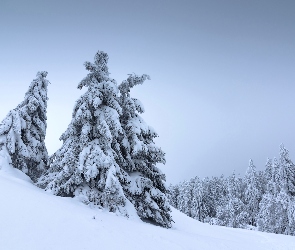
(250, 173)
(98, 69)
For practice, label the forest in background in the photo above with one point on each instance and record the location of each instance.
(261, 200)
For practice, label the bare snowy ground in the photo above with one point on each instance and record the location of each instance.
(31, 219)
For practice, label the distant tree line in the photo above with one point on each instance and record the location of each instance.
(261, 200)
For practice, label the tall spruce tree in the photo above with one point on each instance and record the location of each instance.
(268, 170)
(108, 153)
(174, 193)
(232, 212)
(147, 191)
(198, 205)
(184, 198)
(277, 205)
(291, 216)
(268, 176)
(214, 192)
(252, 193)
(287, 171)
(85, 165)
(22, 132)
(276, 176)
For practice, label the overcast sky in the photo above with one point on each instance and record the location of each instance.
(222, 86)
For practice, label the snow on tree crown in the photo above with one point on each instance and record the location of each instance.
(284, 152)
(42, 74)
(98, 69)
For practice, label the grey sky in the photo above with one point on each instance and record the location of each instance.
(223, 72)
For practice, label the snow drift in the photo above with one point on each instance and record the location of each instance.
(31, 219)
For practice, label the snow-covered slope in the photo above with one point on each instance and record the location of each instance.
(31, 219)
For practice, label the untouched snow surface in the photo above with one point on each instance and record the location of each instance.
(31, 219)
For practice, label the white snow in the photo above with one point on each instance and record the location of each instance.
(31, 219)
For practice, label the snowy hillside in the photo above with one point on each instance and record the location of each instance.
(31, 219)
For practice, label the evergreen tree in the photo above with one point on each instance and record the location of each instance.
(273, 213)
(173, 193)
(268, 170)
(198, 205)
(108, 154)
(85, 165)
(208, 198)
(183, 198)
(291, 216)
(233, 212)
(267, 216)
(140, 156)
(22, 132)
(268, 176)
(276, 176)
(252, 193)
(277, 206)
(214, 193)
(287, 171)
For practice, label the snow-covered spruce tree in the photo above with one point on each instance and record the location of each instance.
(268, 176)
(187, 197)
(184, 198)
(273, 213)
(267, 218)
(291, 216)
(147, 191)
(23, 131)
(276, 176)
(252, 193)
(214, 191)
(276, 213)
(287, 171)
(232, 213)
(198, 205)
(261, 180)
(172, 195)
(268, 170)
(85, 166)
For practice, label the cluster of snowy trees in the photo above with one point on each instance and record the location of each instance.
(108, 157)
(263, 200)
